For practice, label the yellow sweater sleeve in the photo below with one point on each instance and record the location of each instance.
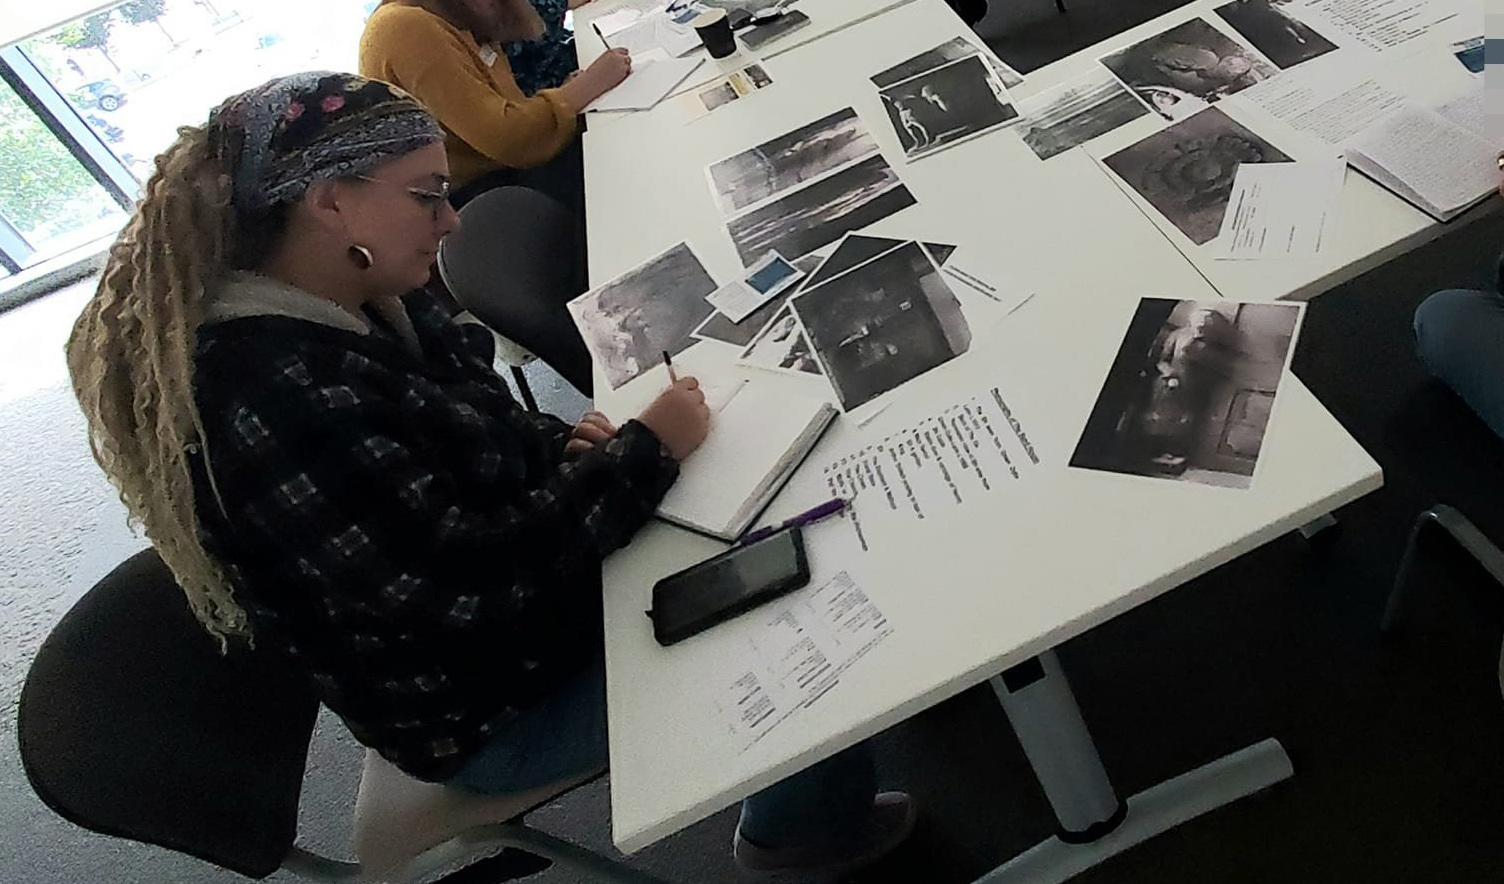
(420, 52)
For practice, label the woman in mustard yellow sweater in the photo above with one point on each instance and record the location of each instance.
(446, 54)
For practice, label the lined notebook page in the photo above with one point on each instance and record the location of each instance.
(1437, 161)
(748, 440)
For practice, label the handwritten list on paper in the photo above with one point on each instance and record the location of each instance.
(799, 655)
(941, 462)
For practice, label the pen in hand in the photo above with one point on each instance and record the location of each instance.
(597, 28)
(673, 378)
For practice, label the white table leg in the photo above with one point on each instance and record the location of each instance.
(1318, 525)
(1094, 824)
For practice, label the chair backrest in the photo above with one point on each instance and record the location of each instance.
(514, 262)
(131, 723)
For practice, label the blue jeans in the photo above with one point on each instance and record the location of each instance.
(565, 736)
(1460, 336)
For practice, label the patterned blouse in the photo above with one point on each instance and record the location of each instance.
(543, 64)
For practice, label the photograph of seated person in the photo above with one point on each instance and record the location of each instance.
(332, 469)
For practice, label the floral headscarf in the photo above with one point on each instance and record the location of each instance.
(279, 138)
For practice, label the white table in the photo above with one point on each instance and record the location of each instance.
(825, 17)
(1065, 551)
(1373, 225)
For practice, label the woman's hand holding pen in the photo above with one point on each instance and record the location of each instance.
(679, 417)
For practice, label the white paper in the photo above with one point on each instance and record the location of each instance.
(931, 469)
(654, 32)
(617, 19)
(1280, 209)
(1383, 25)
(647, 84)
(798, 654)
(1439, 161)
(1467, 110)
(1329, 102)
(737, 300)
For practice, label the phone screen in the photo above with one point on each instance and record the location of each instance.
(698, 597)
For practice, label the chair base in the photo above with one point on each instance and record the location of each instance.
(1464, 532)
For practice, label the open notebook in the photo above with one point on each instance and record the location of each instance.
(756, 443)
(1436, 161)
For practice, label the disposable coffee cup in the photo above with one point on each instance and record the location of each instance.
(714, 29)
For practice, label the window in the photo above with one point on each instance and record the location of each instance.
(49, 203)
(137, 71)
(104, 93)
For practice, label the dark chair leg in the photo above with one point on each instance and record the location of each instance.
(523, 389)
(1467, 535)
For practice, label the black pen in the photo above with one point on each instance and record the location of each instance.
(669, 364)
(597, 29)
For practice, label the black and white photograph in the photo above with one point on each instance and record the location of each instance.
(945, 53)
(817, 215)
(1074, 114)
(782, 345)
(1181, 71)
(756, 76)
(1191, 391)
(946, 105)
(1284, 39)
(852, 250)
(789, 160)
(1186, 171)
(882, 324)
(939, 252)
(719, 94)
(628, 322)
(859, 248)
(719, 326)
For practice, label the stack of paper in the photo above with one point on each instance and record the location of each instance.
(1439, 166)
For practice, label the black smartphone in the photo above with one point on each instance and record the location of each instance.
(735, 581)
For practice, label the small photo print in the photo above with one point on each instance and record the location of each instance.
(852, 250)
(1181, 71)
(756, 76)
(719, 326)
(789, 161)
(1284, 39)
(1186, 171)
(882, 324)
(946, 105)
(720, 94)
(820, 213)
(1074, 114)
(945, 53)
(782, 345)
(771, 274)
(630, 321)
(1190, 394)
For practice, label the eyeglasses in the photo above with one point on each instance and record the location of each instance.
(433, 200)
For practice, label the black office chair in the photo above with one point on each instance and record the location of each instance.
(513, 264)
(1474, 542)
(132, 724)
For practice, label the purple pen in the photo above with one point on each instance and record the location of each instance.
(828, 508)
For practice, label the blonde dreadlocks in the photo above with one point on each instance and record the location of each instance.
(131, 360)
(217, 202)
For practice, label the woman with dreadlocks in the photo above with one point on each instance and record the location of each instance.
(329, 465)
